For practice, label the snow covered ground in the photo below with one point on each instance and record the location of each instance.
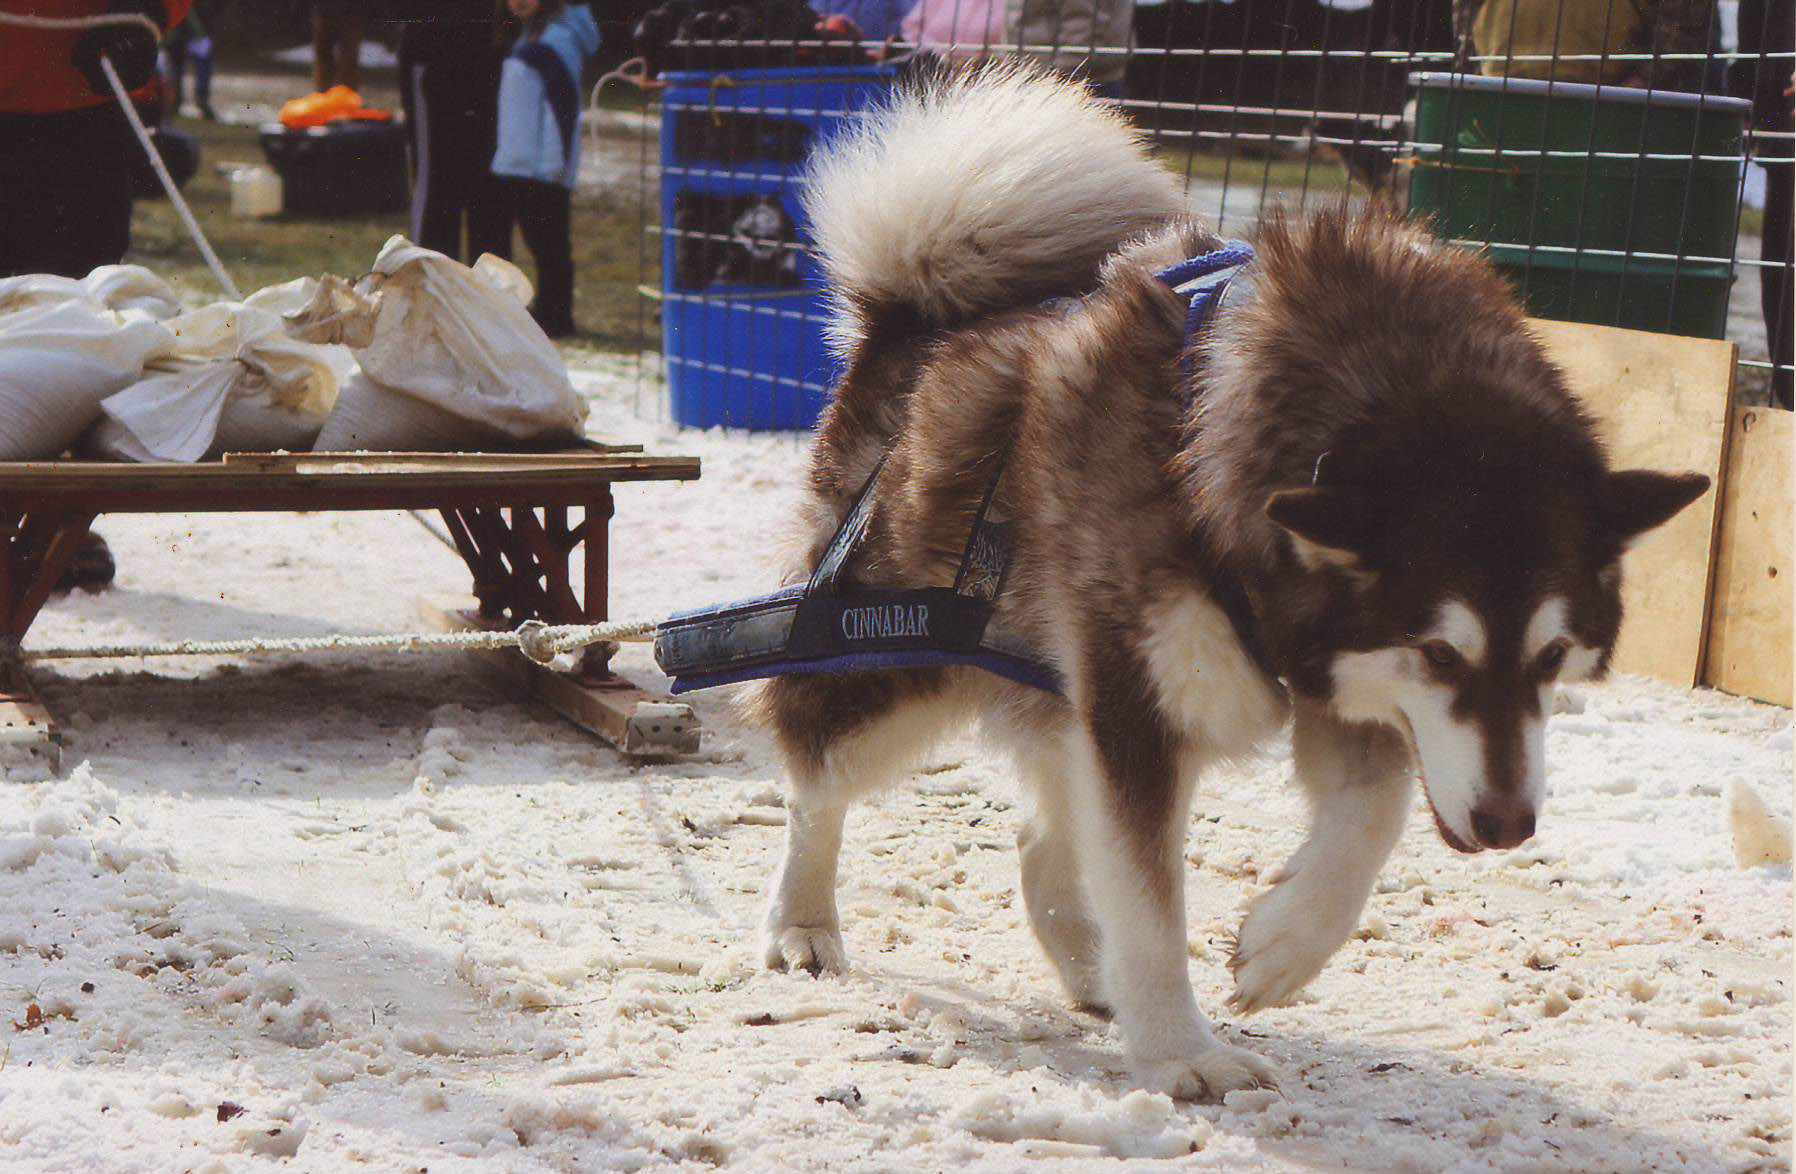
(366, 914)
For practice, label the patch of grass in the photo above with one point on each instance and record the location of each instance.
(612, 253)
(1284, 178)
(256, 252)
(606, 228)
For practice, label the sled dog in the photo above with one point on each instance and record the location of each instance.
(1360, 500)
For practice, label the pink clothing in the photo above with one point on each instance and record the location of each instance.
(963, 29)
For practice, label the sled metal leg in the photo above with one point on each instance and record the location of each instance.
(596, 533)
(37, 549)
(522, 562)
(521, 559)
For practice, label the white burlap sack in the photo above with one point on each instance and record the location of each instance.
(236, 382)
(372, 418)
(130, 290)
(58, 362)
(289, 297)
(450, 357)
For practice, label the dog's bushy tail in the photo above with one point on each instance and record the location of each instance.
(978, 191)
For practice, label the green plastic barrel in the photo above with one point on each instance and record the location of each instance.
(1602, 204)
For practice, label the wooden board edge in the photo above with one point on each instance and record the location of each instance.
(28, 733)
(1718, 496)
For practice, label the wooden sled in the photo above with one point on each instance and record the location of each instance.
(511, 517)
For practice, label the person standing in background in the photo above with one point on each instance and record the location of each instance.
(65, 147)
(878, 20)
(65, 157)
(961, 31)
(538, 151)
(191, 41)
(1087, 39)
(337, 43)
(1612, 42)
(450, 52)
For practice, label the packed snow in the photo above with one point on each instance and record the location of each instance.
(374, 913)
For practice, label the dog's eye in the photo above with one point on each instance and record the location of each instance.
(1442, 655)
(1552, 656)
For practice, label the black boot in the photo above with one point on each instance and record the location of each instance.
(92, 567)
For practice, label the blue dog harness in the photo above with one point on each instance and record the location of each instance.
(827, 625)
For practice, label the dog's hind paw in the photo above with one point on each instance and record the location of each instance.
(1208, 1076)
(806, 947)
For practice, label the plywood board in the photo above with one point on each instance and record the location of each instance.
(1755, 581)
(1660, 402)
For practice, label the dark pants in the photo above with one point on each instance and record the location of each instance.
(179, 54)
(1775, 283)
(337, 43)
(542, 212)
(452, 116)
(65, 191)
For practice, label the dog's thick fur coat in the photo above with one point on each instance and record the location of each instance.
(1367, 468)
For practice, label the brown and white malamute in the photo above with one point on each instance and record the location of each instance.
(1361, 500)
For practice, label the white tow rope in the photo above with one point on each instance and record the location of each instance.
(143, 135)
(540, 642)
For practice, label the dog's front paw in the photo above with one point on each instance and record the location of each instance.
(1210, 1075)
(1288, 937)
(806, 947)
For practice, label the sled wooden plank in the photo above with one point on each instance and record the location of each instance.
(587, 447)
(1755, 571)
(373, 464)
(354, 461)
(1660, 402)
(27, 731)
(314, 482)
(630, 718)
(255, 467)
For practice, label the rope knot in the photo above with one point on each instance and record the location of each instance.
(536, 641)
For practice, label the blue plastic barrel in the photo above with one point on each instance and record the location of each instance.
(742, 311)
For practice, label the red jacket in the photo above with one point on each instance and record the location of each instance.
(35, 74)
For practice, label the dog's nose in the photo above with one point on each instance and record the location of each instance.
(1502, 822)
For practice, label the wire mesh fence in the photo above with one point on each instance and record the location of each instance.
(1623, 162)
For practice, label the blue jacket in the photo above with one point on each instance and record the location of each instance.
(878, 19)
(540, 100)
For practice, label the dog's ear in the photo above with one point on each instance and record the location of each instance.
(1637, 500)
(1330, 526)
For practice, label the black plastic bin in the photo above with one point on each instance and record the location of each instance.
(343, 169)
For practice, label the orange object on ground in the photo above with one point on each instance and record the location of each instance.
(333, 105)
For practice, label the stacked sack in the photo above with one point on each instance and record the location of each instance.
(448, 357)
(421, 354)
(66, 344)
(234, 381)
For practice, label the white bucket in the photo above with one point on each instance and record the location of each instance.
(255, 192)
